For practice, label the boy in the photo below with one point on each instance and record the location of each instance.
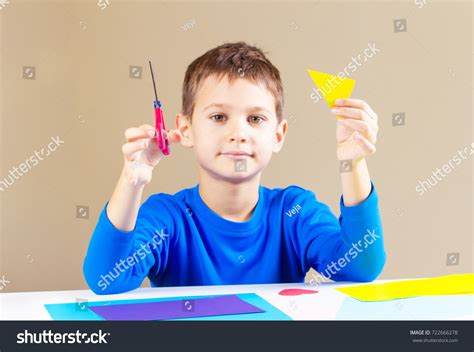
(228, 229)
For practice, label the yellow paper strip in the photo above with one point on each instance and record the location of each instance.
(443, 285)
(332, 87)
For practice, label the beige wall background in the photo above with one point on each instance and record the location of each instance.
(83, 94)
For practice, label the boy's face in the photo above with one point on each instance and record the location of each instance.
(234, 128)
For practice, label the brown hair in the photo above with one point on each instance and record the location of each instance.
(234, 60)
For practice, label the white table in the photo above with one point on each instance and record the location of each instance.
(327, 304)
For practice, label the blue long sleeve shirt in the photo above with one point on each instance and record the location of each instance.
(179, 241)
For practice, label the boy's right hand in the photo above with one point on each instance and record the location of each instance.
(141, 152)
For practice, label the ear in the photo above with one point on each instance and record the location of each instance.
(183, 124)
(280, 134)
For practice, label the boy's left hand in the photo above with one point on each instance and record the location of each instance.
(356, 130)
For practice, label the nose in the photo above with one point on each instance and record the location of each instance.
(238, 139)
(238, 132)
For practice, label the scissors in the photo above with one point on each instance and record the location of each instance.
(162, 142)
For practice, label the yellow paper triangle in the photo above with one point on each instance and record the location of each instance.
(332, 87)
(443, 285)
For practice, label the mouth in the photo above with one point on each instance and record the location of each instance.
(237, 154)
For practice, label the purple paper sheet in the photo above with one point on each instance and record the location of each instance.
(176, 309)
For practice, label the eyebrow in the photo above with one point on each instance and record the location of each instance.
(221, 105)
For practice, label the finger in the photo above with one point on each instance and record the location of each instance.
(355, 113)
(129, 149)
(362, 127)
(367, 147)
(146, 127)
(356, 103)
(134, 133)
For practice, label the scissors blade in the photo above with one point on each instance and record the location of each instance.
(153, 80)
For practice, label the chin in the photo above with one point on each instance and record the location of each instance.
(234, 176)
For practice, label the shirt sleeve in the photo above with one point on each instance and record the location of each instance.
(346, 249)
(118, 261)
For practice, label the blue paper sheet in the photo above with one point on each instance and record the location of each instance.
(73, 311)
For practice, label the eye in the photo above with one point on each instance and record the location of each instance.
(217, 117)
(256, 119)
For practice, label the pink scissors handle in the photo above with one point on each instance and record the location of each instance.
(162, 142)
